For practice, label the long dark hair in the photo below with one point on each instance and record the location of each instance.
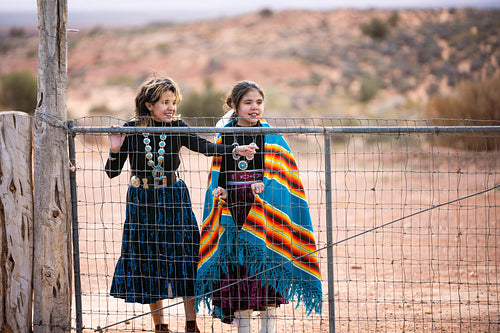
(239, 90)
(151, 92)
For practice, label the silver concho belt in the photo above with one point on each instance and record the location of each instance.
(149, 182)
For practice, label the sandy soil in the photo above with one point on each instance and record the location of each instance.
(435, 270)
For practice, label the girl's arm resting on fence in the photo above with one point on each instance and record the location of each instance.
(207, 148)
(200, 145)
(114, 163)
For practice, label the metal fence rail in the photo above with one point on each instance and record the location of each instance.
(405, 218)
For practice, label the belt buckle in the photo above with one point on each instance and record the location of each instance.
(160, 182)
(156, 182)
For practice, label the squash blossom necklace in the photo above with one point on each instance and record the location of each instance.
(158, 171)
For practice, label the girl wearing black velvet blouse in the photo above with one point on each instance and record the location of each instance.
(159, 253)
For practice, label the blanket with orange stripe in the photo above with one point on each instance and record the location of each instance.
(276, 242)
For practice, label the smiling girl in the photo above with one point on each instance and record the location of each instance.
(159, 253)
(257, 247)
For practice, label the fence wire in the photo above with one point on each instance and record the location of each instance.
(413, 207)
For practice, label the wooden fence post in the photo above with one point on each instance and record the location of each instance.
(16, 222)
(52, 271)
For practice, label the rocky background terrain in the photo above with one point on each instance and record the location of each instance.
(341, 63)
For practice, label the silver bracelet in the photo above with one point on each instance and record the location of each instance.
(235, 155)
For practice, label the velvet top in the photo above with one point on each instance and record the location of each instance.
(231, 165)
(133, 149)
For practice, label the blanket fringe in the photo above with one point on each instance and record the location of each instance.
(277, 276)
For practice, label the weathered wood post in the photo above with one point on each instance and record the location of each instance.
(16, 222)
(52, 271)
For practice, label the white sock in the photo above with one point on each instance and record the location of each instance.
(244, 318)
(268, 320)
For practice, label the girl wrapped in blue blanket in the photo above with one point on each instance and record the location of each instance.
(257, 247)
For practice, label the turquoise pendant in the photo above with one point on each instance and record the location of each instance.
(242, 165)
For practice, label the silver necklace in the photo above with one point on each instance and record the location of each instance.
(158, 171)
(242, 163)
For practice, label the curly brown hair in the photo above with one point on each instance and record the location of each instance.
(151, 92)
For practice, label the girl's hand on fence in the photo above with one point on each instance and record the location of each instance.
(247, 151)
(220, 193)
(116, 140)
(257, 187)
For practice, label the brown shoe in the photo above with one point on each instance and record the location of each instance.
(162, 328)
(192, 327)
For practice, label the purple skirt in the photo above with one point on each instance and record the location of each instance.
(240, 195)
(247, 294)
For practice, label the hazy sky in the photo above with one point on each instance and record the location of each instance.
(146, 11)
(132, 5)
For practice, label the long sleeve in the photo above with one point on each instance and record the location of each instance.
(115, 162)
(205, 147)
(200, 145)
(133, 149)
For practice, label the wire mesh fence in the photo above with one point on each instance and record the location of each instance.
(404, 213)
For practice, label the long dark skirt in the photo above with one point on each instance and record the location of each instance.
(159, 254)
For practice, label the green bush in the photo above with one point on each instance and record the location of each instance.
(122, 80)
(266, 12)
(202, 108)
(471, 102)
(376, 29)
(17, 32)
(18, 91)
(100, 110)
(368, 89)
(393, 20)
(164, 48)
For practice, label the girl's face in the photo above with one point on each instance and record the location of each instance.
(250, 109)
(164, 109)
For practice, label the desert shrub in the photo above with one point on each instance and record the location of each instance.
(17, 32)
(472, 102)
(428, 51)
(164, 48)
(315, 54)
(18, 91)
(266, 12)
(202, 108)
(432, 89)
(122, 80)
(393, 20)
(31, 53)
(215, 64)
(476, 63)
(376, 29)
(368, 89)
(96, 31)
(100, 110)
(315, 79)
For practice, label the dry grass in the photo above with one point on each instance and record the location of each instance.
(476, 103)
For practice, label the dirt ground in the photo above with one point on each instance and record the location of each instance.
(407, 255)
